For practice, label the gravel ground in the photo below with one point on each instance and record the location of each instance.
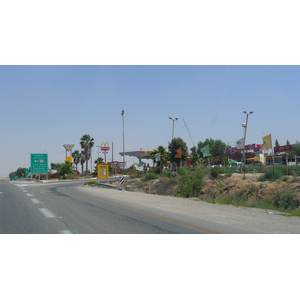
(250, 220)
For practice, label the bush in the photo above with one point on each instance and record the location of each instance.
(285, 200)
(269, 175)
(150, 176)
(90, 182)
(166, 174)
(215, 172)
(190, 183)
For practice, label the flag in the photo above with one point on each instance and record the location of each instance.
(240, 143)
(205, 151)
(267, 142)
(157, 157)
(178, 153)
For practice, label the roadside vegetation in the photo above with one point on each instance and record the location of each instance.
(271, 187)
(216, 185)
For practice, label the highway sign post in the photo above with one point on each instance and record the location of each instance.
(39, 163)
(122, 180)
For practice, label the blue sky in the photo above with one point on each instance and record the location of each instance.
(44, 107)
(71, 71)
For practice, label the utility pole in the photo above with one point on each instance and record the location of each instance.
(122, 114)
(175, 119)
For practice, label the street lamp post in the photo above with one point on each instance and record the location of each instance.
(245, 132)
(122, 114)
(173, 126)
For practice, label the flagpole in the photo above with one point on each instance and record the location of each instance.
(245, 126)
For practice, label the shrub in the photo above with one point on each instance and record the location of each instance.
(285, 200)
(90, 182)
(166, 174)
(215, 172)
(237, 199)
(191, 183)
(269, 175)
(150, 176)
(182, 171)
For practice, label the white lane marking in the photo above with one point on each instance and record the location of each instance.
(29, 195)
(35, 201)
(47, 213)
(68, 232)
(25, 191)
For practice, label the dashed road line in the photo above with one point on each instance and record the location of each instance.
(29, 195)
(47, 213)
(68, 232)
(35, 201)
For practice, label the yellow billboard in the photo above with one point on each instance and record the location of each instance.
(102, 171)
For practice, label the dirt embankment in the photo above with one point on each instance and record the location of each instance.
(226, 187)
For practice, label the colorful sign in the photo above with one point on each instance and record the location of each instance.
(105, 146)
(285, 148)
(102, 171)
(69, 158)
(254, 147)
(68, 147)
(39, 163)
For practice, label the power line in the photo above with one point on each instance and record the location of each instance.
(188, 131)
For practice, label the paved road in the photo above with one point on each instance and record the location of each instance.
(62, 207)
(68, 207)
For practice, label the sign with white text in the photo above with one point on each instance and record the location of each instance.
(39, 163)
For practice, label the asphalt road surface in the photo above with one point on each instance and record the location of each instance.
(61, 207)
(66, 207)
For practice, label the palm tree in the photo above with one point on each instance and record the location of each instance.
(160, 156)
(87, 143)
(76, 158)
(82, 160)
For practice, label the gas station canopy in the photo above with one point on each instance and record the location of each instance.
(142, 154)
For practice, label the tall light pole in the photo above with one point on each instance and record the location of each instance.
(245, 132)
(173, 126)
(122, 114)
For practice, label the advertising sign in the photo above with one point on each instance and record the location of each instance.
(68, 147)
(285, 148)
(39, 163)
(105, 146)
(102, 171)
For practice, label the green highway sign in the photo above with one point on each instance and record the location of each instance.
(39, 163)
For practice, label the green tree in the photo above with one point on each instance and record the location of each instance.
(87, 143)
(216, 147)
(82, 160)
(174, 145)
(296, 148)
(56, 166)
(66, 168)
(160, 157)
(20, 172)
(276, 143)
(76, 158)
(12, 175)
